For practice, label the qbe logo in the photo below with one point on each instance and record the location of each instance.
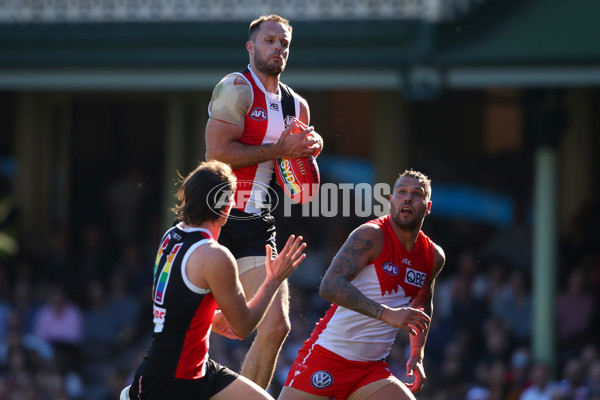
(415, 278)
(321, 379)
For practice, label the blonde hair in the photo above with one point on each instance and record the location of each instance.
(421, 177)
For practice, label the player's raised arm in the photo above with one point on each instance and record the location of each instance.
(215, 267)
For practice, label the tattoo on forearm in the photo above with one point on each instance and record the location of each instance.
(379, 311)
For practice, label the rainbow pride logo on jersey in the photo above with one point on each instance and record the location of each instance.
(163, 279)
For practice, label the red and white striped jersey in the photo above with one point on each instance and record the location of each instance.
(393, 279)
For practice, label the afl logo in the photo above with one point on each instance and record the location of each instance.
(390, 269)
(258, 114)
(321, 379)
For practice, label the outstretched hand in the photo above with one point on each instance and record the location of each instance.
(288, 259)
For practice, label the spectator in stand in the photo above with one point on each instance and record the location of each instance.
(593, 378)
(497, 339)
(513, 306)
(495, 279)
(101, 323)
(453, 376)
(575, 309)
(518, 372)
(479, 388)
(467, 282)
(542, 387)
(60, 323)
(124, 307)
(130, 264)
(497, 380)
(572, 385)
(24, 302)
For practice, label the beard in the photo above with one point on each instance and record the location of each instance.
(268, 67)
(408, 225)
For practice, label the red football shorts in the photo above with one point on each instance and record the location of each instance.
(321, 372)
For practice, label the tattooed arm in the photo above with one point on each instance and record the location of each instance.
(360, 249)
(423, 301)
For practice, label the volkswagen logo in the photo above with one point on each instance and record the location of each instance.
(321, 379)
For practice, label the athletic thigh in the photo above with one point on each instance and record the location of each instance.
(251, 282)
(384, 389)
(242, 388)
(252, 278)
(290, 393)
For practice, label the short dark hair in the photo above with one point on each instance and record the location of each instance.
(254, 25)
(200, 194)
(421, 177)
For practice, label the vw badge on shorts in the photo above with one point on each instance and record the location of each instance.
(321, 379)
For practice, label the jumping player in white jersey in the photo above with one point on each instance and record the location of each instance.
(381, 280)
(249, 126)
(193, 276)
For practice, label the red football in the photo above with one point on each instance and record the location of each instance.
(299, 177)
(299, 127)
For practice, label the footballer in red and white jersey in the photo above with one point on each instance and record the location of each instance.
(393, 279)
(264, 120)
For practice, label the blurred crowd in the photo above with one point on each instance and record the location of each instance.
(75, 323)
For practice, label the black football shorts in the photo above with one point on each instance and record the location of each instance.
(217, 378)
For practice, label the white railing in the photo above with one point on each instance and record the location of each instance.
(60, 11)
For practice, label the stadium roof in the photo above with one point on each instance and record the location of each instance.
(495, 34)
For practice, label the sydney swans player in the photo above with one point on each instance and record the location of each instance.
(381, 280)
